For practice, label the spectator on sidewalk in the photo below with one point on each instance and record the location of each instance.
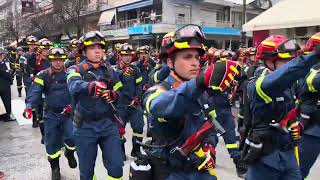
(6, 82)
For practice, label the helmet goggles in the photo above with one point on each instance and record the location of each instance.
(57, 53)
(188, 32)
(45, 44)
(127, 49)
(31, 40)
(93, 37)
(288, 49)
(187, 37)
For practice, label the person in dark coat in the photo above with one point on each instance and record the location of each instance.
(5, 90)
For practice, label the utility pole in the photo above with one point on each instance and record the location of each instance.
(243, 34)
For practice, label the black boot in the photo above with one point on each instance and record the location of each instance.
(55, 169)
(41, 125)
(136, 147)
(35, 123)
(71, 159)
(241, 167)
(8, 118)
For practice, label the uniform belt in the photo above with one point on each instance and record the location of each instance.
(273, 139)
(54, 109)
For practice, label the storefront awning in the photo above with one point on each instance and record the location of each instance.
(287, 14)
(106, 17)
(136, 5)
(221, 31)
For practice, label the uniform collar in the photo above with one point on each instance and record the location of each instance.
(174, 80)
(95, 65)
(53, 70)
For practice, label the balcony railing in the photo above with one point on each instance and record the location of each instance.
(139, 21)
(158, 19)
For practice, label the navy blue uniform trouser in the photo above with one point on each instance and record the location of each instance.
(135, 117)
(196, 175)
(27, 81)
(309, 150)
(110, 145)
(5, 95)
(279, 165)
(225, 118)
(19, 83)
(58, 133)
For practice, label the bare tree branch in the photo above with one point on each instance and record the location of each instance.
(70, 12)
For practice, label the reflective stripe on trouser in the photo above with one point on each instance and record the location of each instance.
(87, 148)
(112, 178)
(227, 122)
(309, 150)
(108, 178)
(58, 133)
(70, 147)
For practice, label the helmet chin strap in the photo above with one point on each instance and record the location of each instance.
(57, 70)
(274, 65)
(94, 62)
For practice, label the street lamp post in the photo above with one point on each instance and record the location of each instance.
(243, 34)
(258, 4)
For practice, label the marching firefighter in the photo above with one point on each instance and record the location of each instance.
(17, 68)
(241, 56)
(42, 63)
(28, 66)
(224, 115)
(247, 73)
(42, 60)
(94, 88)
(175, 107)
(271, 152)
(58, 124)
(161, 71)
(251, 56)
(211, 58)
(29, 63)
(129, 103)
(74, 56)
(309, 107)
(145, 64)
(113, 59)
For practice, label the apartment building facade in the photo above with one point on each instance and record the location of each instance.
(146, 21)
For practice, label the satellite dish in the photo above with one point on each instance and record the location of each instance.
(262, 4)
